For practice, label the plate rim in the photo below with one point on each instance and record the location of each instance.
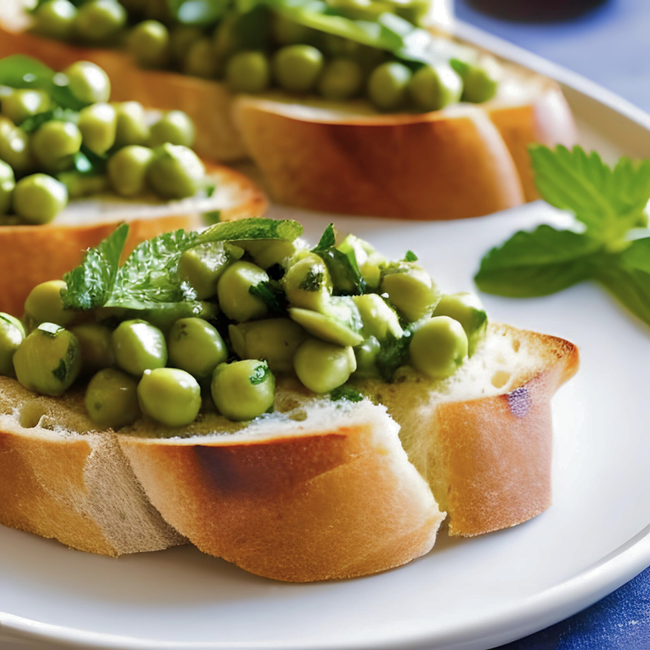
(534, 613)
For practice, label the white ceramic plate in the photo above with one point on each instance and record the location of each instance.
(473, 593)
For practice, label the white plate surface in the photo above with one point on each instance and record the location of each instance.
(466, 593)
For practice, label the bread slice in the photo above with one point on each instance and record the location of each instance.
(346, 158)
(315, 491)
(33, 254)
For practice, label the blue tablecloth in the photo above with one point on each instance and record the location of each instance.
(609, 45)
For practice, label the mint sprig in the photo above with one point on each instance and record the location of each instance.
(149, 277)
(609, 203)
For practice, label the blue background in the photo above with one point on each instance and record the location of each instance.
(611, 46)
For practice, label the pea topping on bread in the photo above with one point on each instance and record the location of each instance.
(306, 413)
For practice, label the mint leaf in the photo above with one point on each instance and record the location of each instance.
(270, 292)
(394, 354)
(343, 267)
(410, 257)
(627, 276)
(250, 229)
(608, 201)
(327, 239)
(91, 283)
(149, 278)
(538, 263)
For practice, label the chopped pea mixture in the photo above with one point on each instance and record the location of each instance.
(61, 139)
(209, 320)
(335, 49)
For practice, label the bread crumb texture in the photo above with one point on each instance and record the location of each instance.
(317, 490)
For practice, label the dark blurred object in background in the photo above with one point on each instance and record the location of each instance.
(535, 10)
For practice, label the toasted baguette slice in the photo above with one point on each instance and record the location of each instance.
(33, 254)
(317, 490)
(346, 158)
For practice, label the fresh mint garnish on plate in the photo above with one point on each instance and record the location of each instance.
(611, 247)
(149, 277)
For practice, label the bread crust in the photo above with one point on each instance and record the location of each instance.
(30, 255)
(488, 460)
(340, 502)
(77, 489)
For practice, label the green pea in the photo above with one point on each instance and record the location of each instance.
(296, 68)
(288, 32)
(48, 361)
(410, 290)
(130, 127)
(12, 334)
(127, 170)
(22, 104)
(98, 126)
(39, 198)
(175, 172)
(149, 44)
(308, 283)
(175, 127)
(366, 355)
(224, 40)
(243, 390)
(99, 20)
(325, 327)
(338, 46)
(433, 88)
(467, 309)
(96, 345)
(15, 149)
(139, 346)
(112, 399)
(342, 79)
(55, 143)
(322, 366)
(79, 184)
(7, 185)
(233, 290)
(480, 82)
(379, 320)
(196, 347)
(274, 340)
(202, 266)
(248, 72)
(370, 262)
(387, 86)
(269, 252)
(182, 37)
(200, 60)
(170, 396)
(439, 347)
(55, 19)
(88, 82)
(44, 304)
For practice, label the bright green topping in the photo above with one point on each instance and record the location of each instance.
(196, 347)
(55, 19)
(127, 170)
(439, 347)
(88, 83)
(45, 305)
(175, 172)
(248, 72)
(169, 396)
(243, 390)
(139, 346)
(48, 361)
(174, 127)
(131, 127)
(308, 284)
(98, 126)
(322, 366)
(296, 68)
(236, 299)
(99, 20)
(410, 290)
(387, 86)
(112, 399)
(11, 336)
(149, 44)
(96, 345)
(467, 309)
(433, 88)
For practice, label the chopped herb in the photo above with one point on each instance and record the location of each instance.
(410, 257)
(343, 267)
(270, 292)
(346, 393)
(313, 281)
(260, 374)
(393, 354)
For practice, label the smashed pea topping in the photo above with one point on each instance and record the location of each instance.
(60, 139)
(337, 50)
(193, 321)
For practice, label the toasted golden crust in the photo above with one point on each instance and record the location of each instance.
(33, 254)
(403, 166)
(488, 460)
(338, 502)
(77, 489)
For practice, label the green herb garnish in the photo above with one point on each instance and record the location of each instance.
(270, 292)
(313, 281)
(346, 393)
(410, 257)
(394, 354)
(342, 266)
(612, 245)
(149, 278)
(260, 374)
